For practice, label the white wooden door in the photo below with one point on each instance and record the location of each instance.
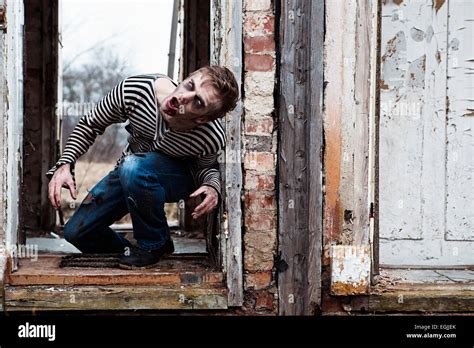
(426, 147)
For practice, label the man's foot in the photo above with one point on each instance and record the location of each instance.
(140, 258)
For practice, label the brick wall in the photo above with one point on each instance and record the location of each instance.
(260, 144)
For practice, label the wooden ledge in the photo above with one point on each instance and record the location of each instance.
(170, 271)
(70, 298)
(440, 300)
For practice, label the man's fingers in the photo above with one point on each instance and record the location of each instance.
(197, 192)
(206, 203)
(51, 193)
(72, 189)
(57, 196)
(205, 207)
(203, 204)
(207, 210)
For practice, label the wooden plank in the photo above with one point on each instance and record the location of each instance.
(14, 115)
(333, 92)
(364, 32)
(3, 150)
(315, 145)
(233, 169)
(300, 106)
(434, 301)
(227, 32)
(346, 23)
(51, 298)
(350, 68)
(375, 140)
(423, 290)
(45, 271)
(459, 212)
(292, 297)
(217, 36)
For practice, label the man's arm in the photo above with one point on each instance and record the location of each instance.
(109, 110)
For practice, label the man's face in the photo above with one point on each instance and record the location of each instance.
(190, 103)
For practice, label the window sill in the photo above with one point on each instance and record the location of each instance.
(176, 283)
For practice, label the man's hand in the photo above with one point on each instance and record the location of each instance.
(62, 177)
(208, 204)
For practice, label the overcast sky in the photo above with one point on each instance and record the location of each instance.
(138, 29)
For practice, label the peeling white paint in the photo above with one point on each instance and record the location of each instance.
(14, 121)
(350, 269)
(460, 127)
(426, 202)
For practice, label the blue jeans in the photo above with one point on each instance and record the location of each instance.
(139, 185)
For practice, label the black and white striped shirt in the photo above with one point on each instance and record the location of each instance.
(134, 100)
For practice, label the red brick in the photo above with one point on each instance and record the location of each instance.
(260, 221)
(259, 250)
(258, 5)
(258, 280)
(264, 300)
(255, 181)
(259, 43)
(257, 200)
(269, 24)
(258, 62)
(259, 23)
(254, 263)
(260, 161)
(263, 126)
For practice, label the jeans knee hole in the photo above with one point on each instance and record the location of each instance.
(89, 198)
(93, 198)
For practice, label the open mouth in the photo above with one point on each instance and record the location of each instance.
(172, 105)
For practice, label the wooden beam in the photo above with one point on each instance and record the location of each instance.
(418, 300)
(362, 95)
(3, 125)
(315, 144)
(172, 270)
(233, 185)
(300, 186)
(14, 40)
(64, 297)
(227, 32)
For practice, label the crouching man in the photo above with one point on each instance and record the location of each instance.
(172, 150)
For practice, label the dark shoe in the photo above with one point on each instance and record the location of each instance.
(140, 258)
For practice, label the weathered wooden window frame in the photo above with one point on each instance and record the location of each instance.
(375, 298)
(226, 31)
(12, 133)
(226, 24)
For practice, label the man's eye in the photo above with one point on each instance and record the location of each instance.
(190, 85)
(198, 102)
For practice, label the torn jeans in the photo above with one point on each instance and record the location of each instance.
(140, 184)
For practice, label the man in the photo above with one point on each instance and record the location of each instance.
(175, 137)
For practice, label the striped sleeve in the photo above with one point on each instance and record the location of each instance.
(110, 109)
(206, 172)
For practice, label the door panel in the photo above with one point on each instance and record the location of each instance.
(426, 145)
(460, 124)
